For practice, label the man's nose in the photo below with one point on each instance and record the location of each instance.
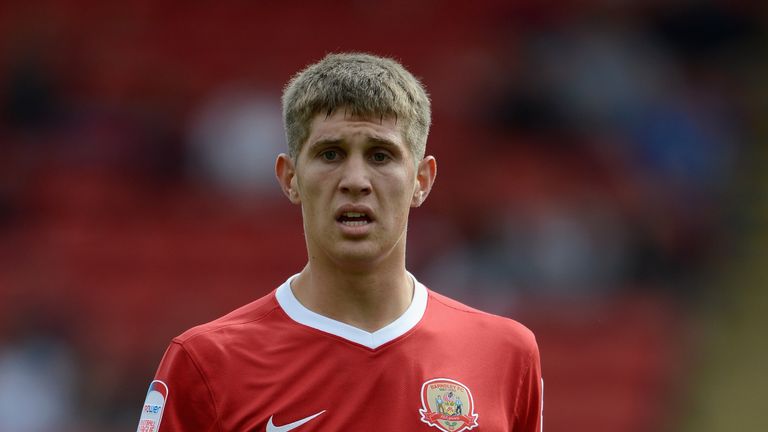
(356, 177)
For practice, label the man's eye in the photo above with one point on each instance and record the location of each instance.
(330, 155)
(380, 157)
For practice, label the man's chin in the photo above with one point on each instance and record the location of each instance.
(358, 255)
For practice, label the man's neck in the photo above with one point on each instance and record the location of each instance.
(366, 300)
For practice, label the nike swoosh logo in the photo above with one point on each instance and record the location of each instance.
(290, 426)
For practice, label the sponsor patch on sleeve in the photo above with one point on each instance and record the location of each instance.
(152, 411)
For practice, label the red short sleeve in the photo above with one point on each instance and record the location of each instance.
(188, 405)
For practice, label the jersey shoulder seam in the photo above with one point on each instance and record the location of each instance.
(512, 323)
(464, 307)
(213, 326)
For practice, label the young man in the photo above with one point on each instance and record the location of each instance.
(353, 341)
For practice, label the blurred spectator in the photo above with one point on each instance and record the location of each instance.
(30, 97)
(29, 110)
(561, 248)
(38, 378)
(36, 386)
(235, 138)
(621, 85)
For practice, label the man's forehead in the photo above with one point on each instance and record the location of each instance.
(344, 113)
(334, 125)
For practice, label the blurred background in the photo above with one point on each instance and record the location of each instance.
(601, 179)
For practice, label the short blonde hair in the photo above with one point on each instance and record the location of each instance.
(363, 84)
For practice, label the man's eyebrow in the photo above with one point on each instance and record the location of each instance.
(324, 142)
(329, 142)
(381, 141)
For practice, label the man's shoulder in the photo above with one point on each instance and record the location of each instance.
(484, 325)
(246, 318)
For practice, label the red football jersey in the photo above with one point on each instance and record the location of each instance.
(275, 366)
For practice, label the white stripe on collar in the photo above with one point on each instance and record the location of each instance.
(408, 320)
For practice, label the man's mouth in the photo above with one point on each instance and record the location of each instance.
(354, 219)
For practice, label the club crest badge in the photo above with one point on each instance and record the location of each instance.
(447, 405)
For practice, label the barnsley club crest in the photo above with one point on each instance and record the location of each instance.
(447, 405)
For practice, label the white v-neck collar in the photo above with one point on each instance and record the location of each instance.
(408, 320)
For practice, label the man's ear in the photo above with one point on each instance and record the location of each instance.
(286, 176)
(426, 172)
